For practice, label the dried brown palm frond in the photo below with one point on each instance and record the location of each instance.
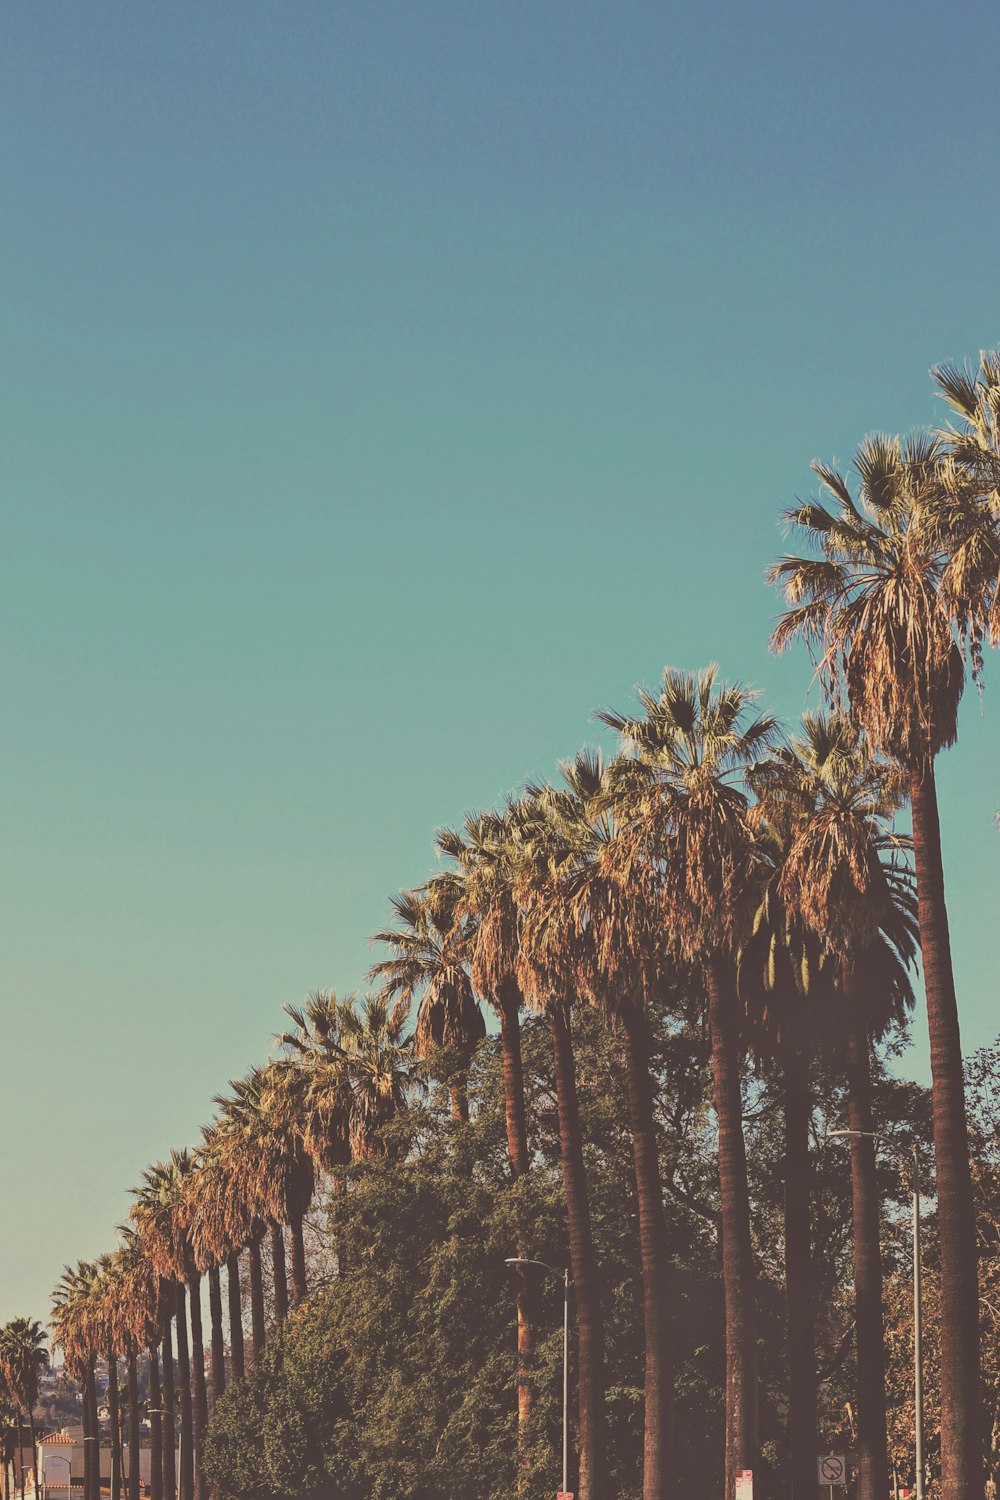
(680, 803)
(872, 607)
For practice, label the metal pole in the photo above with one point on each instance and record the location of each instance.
(918, 1361)
(566, 1381)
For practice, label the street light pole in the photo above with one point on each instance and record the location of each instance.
(544, 1265)
(918, 1356)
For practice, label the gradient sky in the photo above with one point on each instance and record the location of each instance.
(385, 386)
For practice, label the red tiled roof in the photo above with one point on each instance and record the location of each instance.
(57, 1437)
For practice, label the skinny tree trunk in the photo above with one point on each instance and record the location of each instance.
(803, 1394)
(297, 1236)
(218, 1339)
(169, 1428)
(873, 1464)
(460, 1102)
(198, 1389)
(116, 1457)
(737, 1253)
(20, 1451)
(508, 1006)
(656, 1273)
(92, 1435)
(34, 1446)
(155, 1425)
(280, 1274)
(235, 1297)
(257, 1334)
(590, 1327)
(961, 1380)
(95, 1446)
(133, 1423)
(184, 1392)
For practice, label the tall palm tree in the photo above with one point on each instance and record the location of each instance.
(486, 906)
(211, 1241)
(161, 1216)
(963, 518)
(75, 1324)
(266, 1130)
(547, 976)
(872, 604)
(844, 878)
(681, 779)
(617, 950)
(428, 967)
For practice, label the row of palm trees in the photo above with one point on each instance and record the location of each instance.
(711, 864)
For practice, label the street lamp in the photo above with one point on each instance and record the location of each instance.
(918, 1356)
(58, 1458)
(553, 1270)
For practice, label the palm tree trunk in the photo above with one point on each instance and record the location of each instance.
(873, 1464)
(297, 1236)
(20, 1451)
(92, 1448)
(218, 1339)
(186, 1486)
(460, 1102)
(961, 1381)
(235, 1315)
(133, 1423)
(803, 1394)
(280, 1275)
(198, 1388)
(590, 1326)
(169, 1428)
(508, 1005)
(116, 1457)
(737, 1253)
(257, 1333)
(34, 1445)
(95, 1446)
(155, 1425)
(656, 1275)
(33, 1437)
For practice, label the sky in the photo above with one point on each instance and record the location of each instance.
(385, 387)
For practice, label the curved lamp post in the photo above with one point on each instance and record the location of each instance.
(918, 1357)
(554, 1271)
(58, 1458)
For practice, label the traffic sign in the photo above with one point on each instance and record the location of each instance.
(832, 1469)
(564, 1495)
(744, 1484)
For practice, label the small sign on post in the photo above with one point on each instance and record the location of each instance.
(744, 1484)
(564, 1495)
(832, 1469)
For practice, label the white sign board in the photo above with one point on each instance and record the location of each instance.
(832, 1469)
(744, 1484)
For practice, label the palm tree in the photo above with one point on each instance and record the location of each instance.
(23, 1356)
(844, 878)
(547, 976)
(265, 1128)
(964, 515)
(873, 605)
(428, 965)
(160, 1215)
(615, 942)
(75, 1325)
(486, 906)
(681, 781)
(209, 1195)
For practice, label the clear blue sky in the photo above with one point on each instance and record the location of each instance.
(384, 387)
